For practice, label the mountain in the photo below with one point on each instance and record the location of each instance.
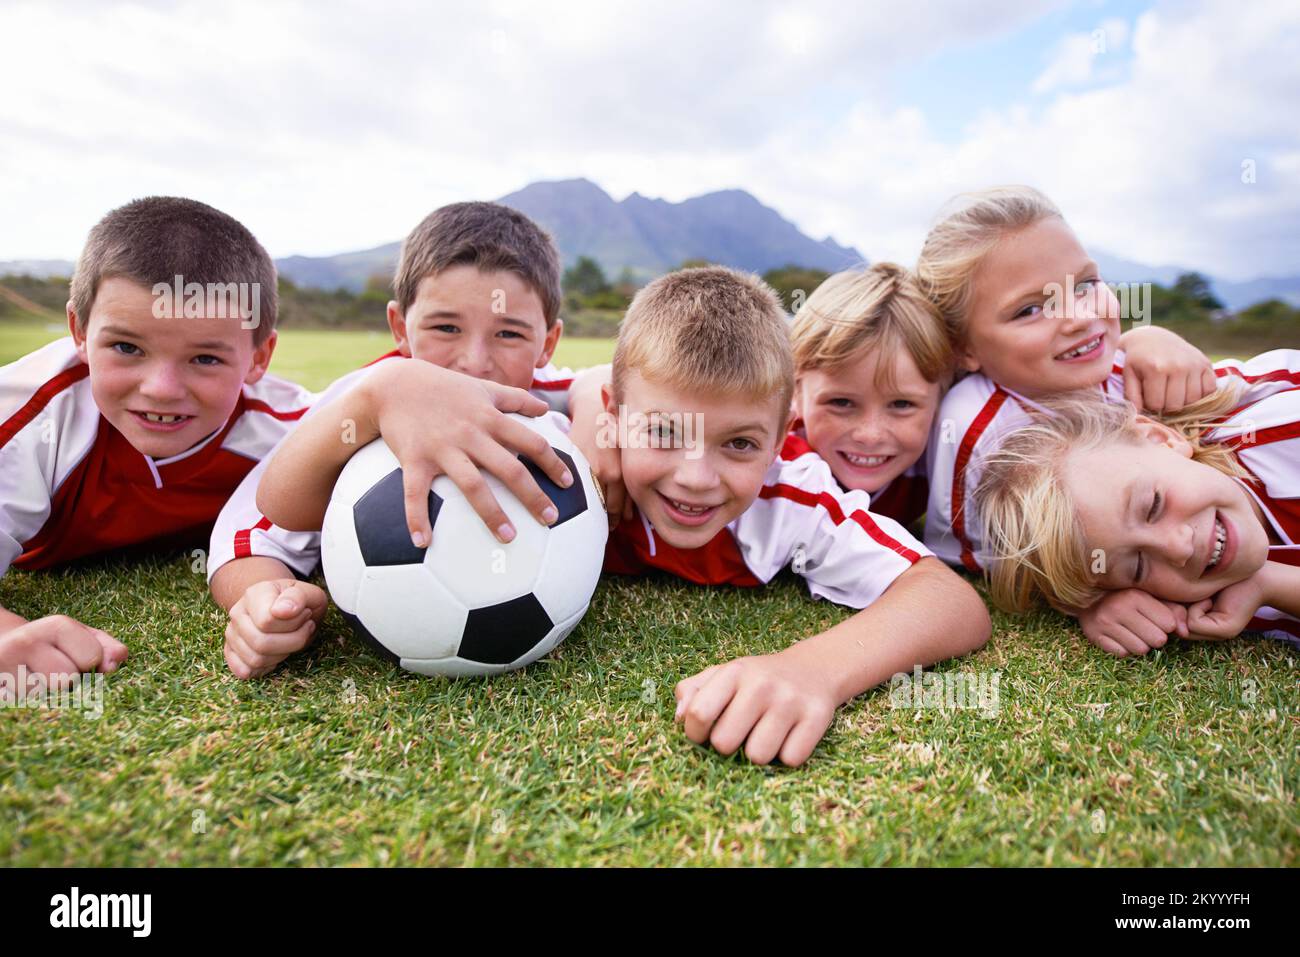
(646, 236)
(649, 236)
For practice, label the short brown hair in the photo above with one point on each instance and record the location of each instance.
(879, 309)
(486, 235)
(153, 240)
(711, 329)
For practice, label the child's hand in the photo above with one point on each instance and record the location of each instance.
(467, 431)
(1227, 614)
(1162, 371)
(270, 622)
(1132, 622)
(772, 705)
(587, 408)
(59, 646)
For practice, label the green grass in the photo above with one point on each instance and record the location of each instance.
(1190, 756)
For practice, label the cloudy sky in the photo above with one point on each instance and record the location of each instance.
(334, 126)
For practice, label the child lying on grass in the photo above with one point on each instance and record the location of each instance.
(478, 300)
(136, 428)
(1199, 513)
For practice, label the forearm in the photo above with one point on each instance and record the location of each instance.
(927, 615)
(296, 489)
(236, 577)
(1283, 589)
(9, 621)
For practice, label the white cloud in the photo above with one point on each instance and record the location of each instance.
(334, 127)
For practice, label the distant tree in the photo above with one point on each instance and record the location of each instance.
(794, 284)
(585, 278)
(1271, 314)
(1197, 288)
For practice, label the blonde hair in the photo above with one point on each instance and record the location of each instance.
(1029, 521)
(968, 228)
(881, 308)
(710, 329)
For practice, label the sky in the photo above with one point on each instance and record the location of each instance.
(1168, 133)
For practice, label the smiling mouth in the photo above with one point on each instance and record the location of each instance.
(161, 420)
(1220, 540)
(687, 513)
(865, 461)
(1083, 349)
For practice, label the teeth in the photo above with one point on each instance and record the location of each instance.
(1220, 536)
(1084, 349)
(689, 509)
(166, 419)
(867, 461)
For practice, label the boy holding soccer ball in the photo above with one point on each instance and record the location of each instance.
(478, 299)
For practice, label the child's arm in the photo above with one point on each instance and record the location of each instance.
(58, 645)
(591, 433)
(1227, 614)
(436, 422)
(272, 614)
(780, 705)
(1162, 371)
(1131, 622)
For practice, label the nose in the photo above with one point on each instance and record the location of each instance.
(163, 381)
(869, 429)
(1178, 544)
(474, 359)
(696, 473)
(1080, 308)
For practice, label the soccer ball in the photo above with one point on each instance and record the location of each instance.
(466, 605)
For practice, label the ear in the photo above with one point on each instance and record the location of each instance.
(966, 360)
(549, 343)
(397, 326)
(1157, 433)
(607, 398)
(262, 358)
(78, 334)
(796, 403)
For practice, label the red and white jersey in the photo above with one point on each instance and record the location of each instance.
(977, 414)
(242, 531)
(1265, 433)
(904, 499)
(801, 518)
(72, 485)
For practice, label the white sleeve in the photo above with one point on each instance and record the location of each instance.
(940, 458)
(551, 385)
(1264, 375)
(242, 531)
(38, 450)
(844, 552)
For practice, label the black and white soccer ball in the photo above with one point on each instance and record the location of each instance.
(466, 605)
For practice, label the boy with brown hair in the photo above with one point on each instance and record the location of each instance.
(698, 406)
(136, 428)
(477, 299)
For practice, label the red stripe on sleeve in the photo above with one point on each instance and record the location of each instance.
(555, 385)
(964, 452)
(40, 399)
(257, 405)
(828, 501)
(243, 547)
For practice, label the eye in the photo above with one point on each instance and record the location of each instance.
(126, 349)
(1087, 285)
(902, 404)
(840, 403)
(207, 360)
(509, 334)
(1155, 507)
(742, 445)
(445, 327)
(1029, 312)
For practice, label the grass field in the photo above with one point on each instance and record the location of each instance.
(1190, 756)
